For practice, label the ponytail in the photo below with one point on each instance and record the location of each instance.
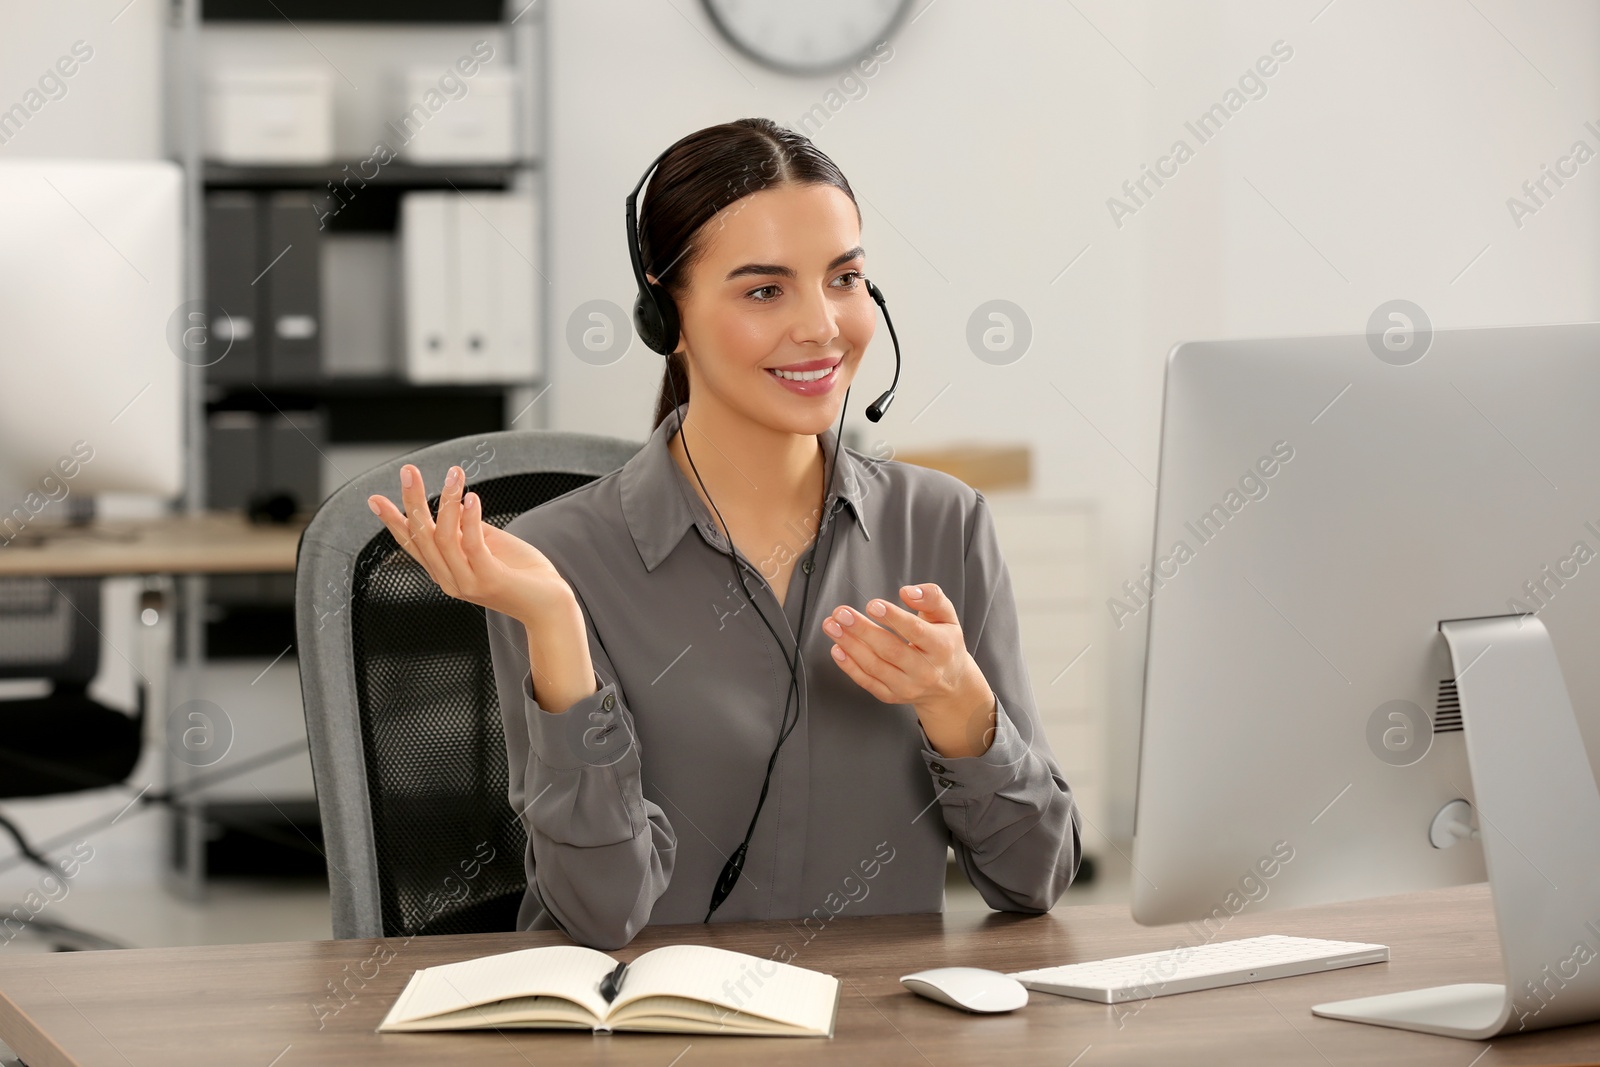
(674, 378)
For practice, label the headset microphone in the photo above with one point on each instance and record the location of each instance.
(876, 409)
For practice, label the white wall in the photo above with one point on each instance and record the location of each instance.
(983, 154)
(110, 107)
(1377, 166)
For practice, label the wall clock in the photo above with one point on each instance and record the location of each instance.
(806, 36)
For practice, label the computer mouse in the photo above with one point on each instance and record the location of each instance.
(968, 988)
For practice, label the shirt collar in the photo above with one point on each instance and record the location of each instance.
(659, 503)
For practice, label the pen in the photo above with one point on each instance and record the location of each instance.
(611, 984)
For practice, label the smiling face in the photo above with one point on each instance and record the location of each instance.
(779, 285)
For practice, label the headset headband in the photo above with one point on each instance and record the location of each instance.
(634, 252)
(655, 316)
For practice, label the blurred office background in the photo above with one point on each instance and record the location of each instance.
(1018, 171)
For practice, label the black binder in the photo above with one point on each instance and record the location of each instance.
(232, 225)
(233, 449)
(290, 258)
(294, 444)
(233, 459)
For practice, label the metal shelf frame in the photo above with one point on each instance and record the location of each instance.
(526, 27)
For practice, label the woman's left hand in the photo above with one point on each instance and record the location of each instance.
(919, 659)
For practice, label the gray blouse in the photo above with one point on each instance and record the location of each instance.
(634, 797)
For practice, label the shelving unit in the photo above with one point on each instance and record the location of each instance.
(396, 174)
(362, 410)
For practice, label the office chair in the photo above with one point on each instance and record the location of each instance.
(407, 745)
(64, 741)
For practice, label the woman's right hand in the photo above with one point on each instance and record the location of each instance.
(470, 559)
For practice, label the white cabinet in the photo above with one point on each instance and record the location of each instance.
(1050, 548)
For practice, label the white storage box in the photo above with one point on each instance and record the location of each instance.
(448, 118)
(270, 115)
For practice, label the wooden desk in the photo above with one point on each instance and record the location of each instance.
(213, 542)
(250, 1004)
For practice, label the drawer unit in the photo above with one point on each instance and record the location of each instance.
(1050, 547)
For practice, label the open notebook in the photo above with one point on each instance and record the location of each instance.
(682, 988)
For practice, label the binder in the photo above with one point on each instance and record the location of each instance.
(294, 442)
(232, 449)
(231, 229)
(290, 258)
(361, 316)
(428, 273)
(233, 458)
(521, 287)
(477, 291)
(470, 287)
(499, 300)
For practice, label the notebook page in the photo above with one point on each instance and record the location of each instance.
(542, 1012)
(733, 981)
(569, 971)
(680, 1015)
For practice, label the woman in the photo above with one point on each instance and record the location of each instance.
(646, 681)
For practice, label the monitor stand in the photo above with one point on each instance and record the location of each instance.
(1538, 814)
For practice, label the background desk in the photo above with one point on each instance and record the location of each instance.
(212, 542)
(252, 1004)
(157, 549)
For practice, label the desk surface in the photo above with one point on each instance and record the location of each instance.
(213, 542)
(251, 1004)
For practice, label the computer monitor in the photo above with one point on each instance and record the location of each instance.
(1375, 594)
(91, 257)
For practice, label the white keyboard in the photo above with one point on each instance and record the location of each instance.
(1186, 969)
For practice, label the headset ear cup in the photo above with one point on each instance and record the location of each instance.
(647, 321)
(655, 316)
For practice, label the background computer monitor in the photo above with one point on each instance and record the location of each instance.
(1323, 504)
(90, 284)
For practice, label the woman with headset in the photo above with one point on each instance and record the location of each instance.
(685, 737)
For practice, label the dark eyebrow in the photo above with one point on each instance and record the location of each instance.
(788, 272)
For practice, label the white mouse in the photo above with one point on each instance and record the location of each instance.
(968, 988)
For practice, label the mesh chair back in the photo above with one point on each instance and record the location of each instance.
(49, 629)
(407, 743)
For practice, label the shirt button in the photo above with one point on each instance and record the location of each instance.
(936, 767)
(806, 566)
(946, 783)
(609, 702)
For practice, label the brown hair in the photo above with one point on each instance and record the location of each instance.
(698, 177)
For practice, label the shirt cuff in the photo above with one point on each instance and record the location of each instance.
(971, 777)
(591, 733)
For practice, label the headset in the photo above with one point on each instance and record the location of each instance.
(655, 317)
